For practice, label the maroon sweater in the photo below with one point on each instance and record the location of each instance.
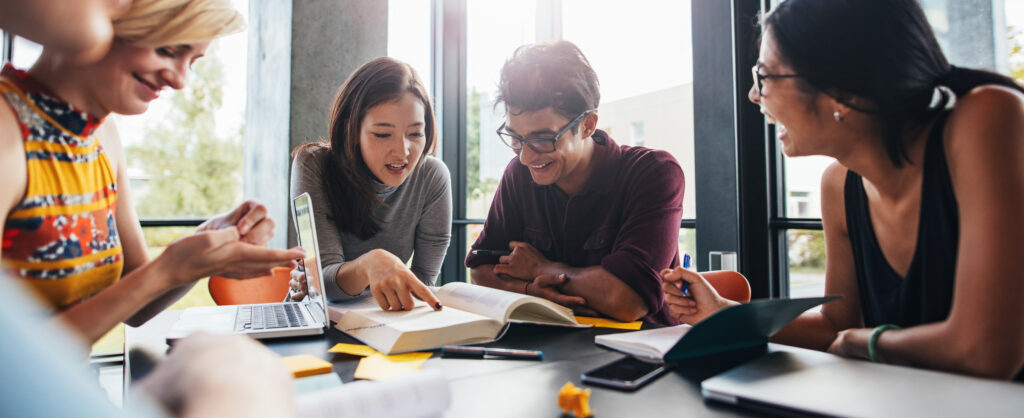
(626, 219)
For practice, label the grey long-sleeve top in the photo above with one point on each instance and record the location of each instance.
(415, 223)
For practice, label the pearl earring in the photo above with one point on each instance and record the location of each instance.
(838, 116)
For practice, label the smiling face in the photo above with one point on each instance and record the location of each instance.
(129, 77)
(563, 167)
(802, 118)
(392, 138)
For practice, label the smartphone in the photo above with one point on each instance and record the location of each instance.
(627, 373)
(492, 252)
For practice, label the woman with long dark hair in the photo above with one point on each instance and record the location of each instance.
(922, 209)
(379, 196)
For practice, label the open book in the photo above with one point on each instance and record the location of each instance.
(471, 314)
(733, 328)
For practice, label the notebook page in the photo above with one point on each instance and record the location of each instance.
(650, 344)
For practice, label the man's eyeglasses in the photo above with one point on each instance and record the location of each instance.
(759, 78)
(538, 145)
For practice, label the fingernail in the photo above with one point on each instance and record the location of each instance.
(563, 277)
(437, 305)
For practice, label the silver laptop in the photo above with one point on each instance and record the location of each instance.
(795, 381)
(307, 316)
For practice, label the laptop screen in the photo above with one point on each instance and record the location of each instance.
(315, 299)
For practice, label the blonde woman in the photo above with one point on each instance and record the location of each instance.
(70, 231)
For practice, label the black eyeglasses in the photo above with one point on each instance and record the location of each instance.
(759, 78)
(538, 145)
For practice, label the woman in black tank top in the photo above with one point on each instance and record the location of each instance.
(923, 210)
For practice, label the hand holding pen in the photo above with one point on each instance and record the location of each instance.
(689, 297)
(684, 286)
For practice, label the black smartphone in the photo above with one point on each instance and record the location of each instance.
(492, 252)
(627, 373)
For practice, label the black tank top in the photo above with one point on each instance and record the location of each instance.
(925, 295)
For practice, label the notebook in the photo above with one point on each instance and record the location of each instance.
(793, 380)
(270, 320)
(737, 327)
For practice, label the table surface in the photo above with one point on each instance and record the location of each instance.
(499, 387)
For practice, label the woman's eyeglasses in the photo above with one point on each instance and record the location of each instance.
(759, 78)
(538, 145)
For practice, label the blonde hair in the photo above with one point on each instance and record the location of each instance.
(153, 23)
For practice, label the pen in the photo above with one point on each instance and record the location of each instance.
(492, 252)
(685, 286)
(459, 351)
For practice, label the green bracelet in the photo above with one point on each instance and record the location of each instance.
(873, 341)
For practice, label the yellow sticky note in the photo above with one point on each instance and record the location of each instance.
(353, 349)
(379, 366)
(306, 365)
(608, 323)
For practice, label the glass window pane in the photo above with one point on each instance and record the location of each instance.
(803, 185)
(1014, 15)
(185, 153)
(494, 31)
(806, 263)
(644, 65)
(688, 244)
(24, 53)
(409, 35)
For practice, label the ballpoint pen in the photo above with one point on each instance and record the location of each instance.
(684, 286)
(459, 351)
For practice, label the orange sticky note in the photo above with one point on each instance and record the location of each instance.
(306, 365)
(353, 349)
(608, 323)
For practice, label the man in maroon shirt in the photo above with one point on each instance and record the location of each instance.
(588, 223)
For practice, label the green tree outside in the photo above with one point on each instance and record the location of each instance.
(477, 188)
(1016, 42)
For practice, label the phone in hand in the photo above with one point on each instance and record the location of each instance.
(628, 373)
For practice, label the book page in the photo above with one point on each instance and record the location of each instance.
(492, 303)
(421, 395)
(417, 329)
(543, 311)
(649, 344)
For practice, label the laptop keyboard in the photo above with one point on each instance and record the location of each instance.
(283, 315)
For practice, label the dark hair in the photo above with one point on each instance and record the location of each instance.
(346, 177)
(881, 50)
(554, 75)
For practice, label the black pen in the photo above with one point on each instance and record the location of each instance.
(459, 351)
(492, 252)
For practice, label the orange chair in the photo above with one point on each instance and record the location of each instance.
(729, 284)
(263, 289)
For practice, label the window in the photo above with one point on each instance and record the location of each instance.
(973, 33)
(636, 133)
(24, 53)
(409, 35)
(494, 31)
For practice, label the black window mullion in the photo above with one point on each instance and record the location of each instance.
(449, 34)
